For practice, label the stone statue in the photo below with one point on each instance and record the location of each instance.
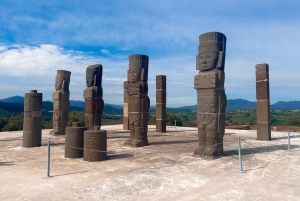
(94, 103)
(138, 100)
(32, 123)
(211, 97)
(61, 103)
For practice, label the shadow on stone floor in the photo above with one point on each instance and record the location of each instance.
(255, 150)
(11, 139)
(58, 175)
(173, 142)
(118, 156)
(6, 163)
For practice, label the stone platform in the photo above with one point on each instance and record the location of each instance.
(164, 170)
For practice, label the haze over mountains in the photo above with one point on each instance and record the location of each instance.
(241, 104)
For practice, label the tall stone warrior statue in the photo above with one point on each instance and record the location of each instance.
(211, 97)
(93, 94)
(61, 103)
(138, 100)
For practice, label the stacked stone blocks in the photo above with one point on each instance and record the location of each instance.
(161, 98)
(74, 141)
(32, 123)
(93, 94)
(95, 140)
(263, 102)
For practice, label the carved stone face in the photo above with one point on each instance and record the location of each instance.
(134, 75)
(90, 77)
(59, 82)
(208, 61)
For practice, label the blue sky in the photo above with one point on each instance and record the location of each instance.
(38, 37)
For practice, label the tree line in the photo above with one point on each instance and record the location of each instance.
(233, 117)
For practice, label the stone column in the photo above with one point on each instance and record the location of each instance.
(61, 103)
(74, 141)
(263, 102)
(125, 108)
(94, 103)
(211, 96)
(32, 123)
(138, 100)
(161, 98)
(95, 145)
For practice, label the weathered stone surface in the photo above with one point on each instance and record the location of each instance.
(138, 101)
(161, 99)
(263, 102)
(32, 123)
(161, 125)
(161, 95)
(74, 141)
(263, 111)
(262, 72)
(262, 90)
(125, 117)
(161, 82)
(263, 131)
(160, 111)
(93, 94)
(95, 145)
(61, 103)
(211, 97)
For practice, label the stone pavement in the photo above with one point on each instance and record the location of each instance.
(164, 170)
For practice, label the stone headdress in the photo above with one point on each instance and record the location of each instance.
(139, 62)
(213, 42)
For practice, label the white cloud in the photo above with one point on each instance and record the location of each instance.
(105, 51)
(167, 31)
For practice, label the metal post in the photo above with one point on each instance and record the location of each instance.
(240, 157)
(175, 124)
(48, 163)
(289, 143)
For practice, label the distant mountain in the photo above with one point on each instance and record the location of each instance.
(79, 103)
(14, 108)
(240, 104)
(75, 103)
(192, 107)
(13, 99)
(283, 105)
(232, 104)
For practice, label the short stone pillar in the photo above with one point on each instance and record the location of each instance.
(125, 108)
(263, 102)
(32, 123)
(94, 103)
(161, 98)
(95, 145)
(74, 141)
(61, 103)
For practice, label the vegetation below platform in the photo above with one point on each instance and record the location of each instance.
(13, 120)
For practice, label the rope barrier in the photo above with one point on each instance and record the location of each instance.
(58, 138)
(268, 144)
